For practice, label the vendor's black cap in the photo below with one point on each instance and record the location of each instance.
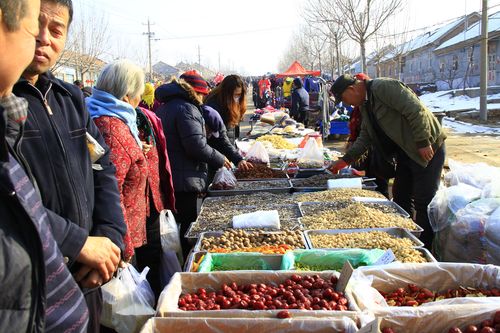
(340, 85)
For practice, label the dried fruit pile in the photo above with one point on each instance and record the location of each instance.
(338, 194)
(309, 292)
(242, 241)
(402, 247)
(257, 199)
(413, 295)
(356, 216)
(259, 171)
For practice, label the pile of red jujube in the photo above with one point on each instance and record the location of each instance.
(486, 326)
(309, 292)
(415, 296)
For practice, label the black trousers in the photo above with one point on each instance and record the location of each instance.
(150, 254)
(417, 185)
(382, 183)
(187, 212)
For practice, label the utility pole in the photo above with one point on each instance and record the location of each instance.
(199, 55)
(483, 106)
(150, 35)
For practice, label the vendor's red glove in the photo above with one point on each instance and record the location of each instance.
(335, 167)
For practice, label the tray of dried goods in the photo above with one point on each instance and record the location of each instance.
(315, 208)
(336, 194)
(404, 245)
(257, 199)
(269, 242)
(259, 171)
(358, 216)
(249, 187)
(319, 182)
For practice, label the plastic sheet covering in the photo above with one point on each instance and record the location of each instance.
(476, 174)
(493, 238)
(434, 276)
(190, 282)
(259, 219)
(247, 325)
(236, 261)
(437, 319)
(331, 260)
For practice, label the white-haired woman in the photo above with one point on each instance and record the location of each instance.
(112, 107)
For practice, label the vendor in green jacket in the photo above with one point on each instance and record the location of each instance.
(396, 122)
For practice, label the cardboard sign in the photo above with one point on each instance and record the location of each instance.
(371, 327)
(345, 275)
(386, 258)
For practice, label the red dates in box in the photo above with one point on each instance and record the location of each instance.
(309, 292)
(413, 295)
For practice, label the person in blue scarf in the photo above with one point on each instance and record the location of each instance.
(112, 106)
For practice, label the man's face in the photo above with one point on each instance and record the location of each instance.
(353, 95)
(19, 47)
(53, 21)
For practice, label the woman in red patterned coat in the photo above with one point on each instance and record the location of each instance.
(112, 107)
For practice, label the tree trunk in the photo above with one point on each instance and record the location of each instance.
(363, 55)
(337, 51)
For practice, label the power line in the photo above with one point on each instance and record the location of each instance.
(228, 33)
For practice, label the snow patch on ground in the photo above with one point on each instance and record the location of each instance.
(462, 127)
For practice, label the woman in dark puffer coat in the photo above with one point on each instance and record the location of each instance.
(189, 153)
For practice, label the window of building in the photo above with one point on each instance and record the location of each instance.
(455, 63)
(441, 67)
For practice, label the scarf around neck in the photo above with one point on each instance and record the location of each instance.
(102, 103)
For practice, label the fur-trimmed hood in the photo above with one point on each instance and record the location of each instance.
(177, 89)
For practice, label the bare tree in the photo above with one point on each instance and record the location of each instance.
(87, 42)
(360, 19)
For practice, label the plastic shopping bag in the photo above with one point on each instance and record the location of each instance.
(224, 179)
(258, 154)
(171, 257)
(312, 156)
(128, 301)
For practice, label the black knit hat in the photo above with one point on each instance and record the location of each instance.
(340, 85)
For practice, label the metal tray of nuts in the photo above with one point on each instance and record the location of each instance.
(398, 209)
(195, 229)
(255, 199)
(396, 232)
(319, 183)
(427, 254)
(249, 187)
(312, 208)
(198, 246)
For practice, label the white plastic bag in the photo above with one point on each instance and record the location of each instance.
(474, 174)
(493, 238)
(171, 257)
(169, 233)
(224, 179)
(128, 301)
(312, 156)
(96, 151)
(258, 219)
(258, 154)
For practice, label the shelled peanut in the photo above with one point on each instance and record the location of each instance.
(356, 216)
(338, 194)
(402, 247)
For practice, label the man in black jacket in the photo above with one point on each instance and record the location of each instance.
(53, 145)
(38, 292)
(300, 101)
